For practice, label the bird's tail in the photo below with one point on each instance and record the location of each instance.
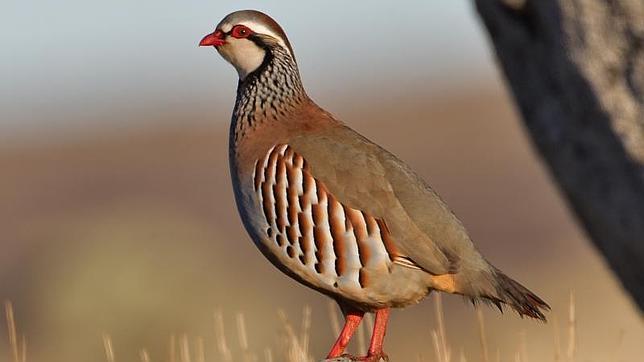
(507, 291)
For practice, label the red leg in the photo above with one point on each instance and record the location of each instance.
(351, 321)
(378, 336)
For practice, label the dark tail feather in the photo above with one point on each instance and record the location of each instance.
(518, 297)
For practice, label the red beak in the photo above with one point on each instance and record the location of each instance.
(215, 39)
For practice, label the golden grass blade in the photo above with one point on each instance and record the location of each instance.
(572, 328)
(306, 329)
(483, 338)
(220, 338)
(11, 331)
(241, 332)
(292, 345)
(294, 351)
(109, 351)
(333, 317)
(144, 355)
(368, 322)
(446, 353)
(462, 358)
(200, 353)
(184, 349)
(243, 339)
(437, 346)
(362, 340)
(23, 349)
(268, 355)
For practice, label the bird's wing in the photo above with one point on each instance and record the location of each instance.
(363, 176)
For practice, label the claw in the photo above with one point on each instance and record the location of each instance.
(377, 357)
(381, 356)
(346, 357)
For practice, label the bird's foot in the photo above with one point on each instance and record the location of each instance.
(375, 357)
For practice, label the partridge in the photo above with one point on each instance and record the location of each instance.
(333, 210)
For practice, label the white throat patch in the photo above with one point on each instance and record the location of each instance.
(243, 54)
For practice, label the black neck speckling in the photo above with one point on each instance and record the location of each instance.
(274, 89)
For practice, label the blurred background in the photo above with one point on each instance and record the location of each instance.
(116, 210)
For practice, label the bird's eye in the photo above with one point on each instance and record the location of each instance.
(240, 31)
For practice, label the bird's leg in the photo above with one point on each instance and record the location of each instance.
(351, 321)
(378, 336)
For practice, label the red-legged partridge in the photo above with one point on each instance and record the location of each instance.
(333, 210)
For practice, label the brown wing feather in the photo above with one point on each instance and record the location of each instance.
(366, 177)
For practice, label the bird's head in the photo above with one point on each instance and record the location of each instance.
(246, 38)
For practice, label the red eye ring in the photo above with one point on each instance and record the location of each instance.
(240, 31)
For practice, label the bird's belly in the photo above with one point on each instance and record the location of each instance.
(378, 284)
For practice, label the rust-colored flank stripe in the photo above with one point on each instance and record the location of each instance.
(305, 241)
(304, 245)
(337, 228)
(292, 209)
(291, 235)
(372, 225)
(279, 190)
(357, 221)
(364, 252)
(288, 154)
(363, 279)
(318, 214)
(258, 173)
(293, 201)
(267, 192)
(319, 237)
(392, 251)
(305, 223)
(267, 205)
(269, 171)
(298, 161)
(308, 183)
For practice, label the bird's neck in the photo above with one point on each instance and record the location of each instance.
(269, 93)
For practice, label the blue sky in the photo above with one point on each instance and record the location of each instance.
(68, 61)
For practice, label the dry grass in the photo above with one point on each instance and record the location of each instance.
(439, 335)
(109, 350)
(17, 347)
(71, 211)
(294, 345)
(482, 336)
